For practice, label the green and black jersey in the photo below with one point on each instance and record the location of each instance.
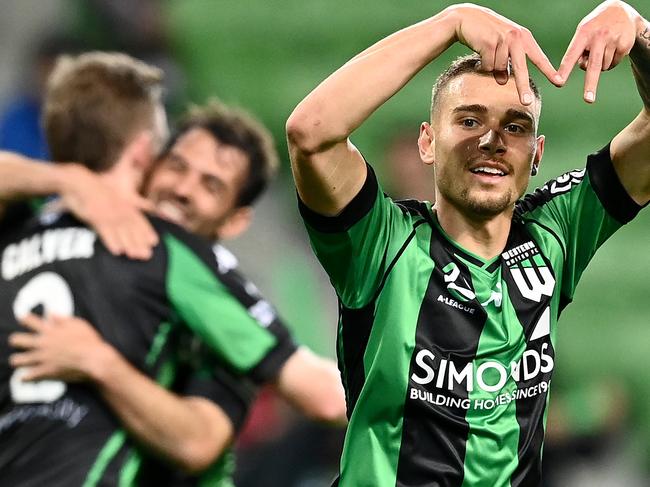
(63, 435)
(446, 357)
(201, 375)
(233, 395)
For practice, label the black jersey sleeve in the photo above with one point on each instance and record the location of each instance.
(13, 214)
(228, 392)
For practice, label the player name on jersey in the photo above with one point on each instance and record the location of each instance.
(46, 247)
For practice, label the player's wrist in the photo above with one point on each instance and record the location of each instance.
(450, 21)
(102, 364)
(70, 178)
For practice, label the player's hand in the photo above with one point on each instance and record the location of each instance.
(498, 39)
(118, 220)
(603, 38)
(61, 348)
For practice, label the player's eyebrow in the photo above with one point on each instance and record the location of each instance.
(514, 113)
(511, 113)
(476, 108)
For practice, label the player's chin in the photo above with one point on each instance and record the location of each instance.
(489, 203)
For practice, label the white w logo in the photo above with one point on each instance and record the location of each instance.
(530, 285)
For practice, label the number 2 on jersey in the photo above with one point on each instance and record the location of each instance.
(51, 291)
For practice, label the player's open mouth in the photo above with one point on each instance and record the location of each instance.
(489, 171)
(170, 211)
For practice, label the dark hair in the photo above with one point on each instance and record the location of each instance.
(235, 127)
(470, 63)
(94, 103)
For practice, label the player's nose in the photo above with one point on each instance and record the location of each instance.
(185, 186)
(491, 142)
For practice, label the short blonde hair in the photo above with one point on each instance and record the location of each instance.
(95, 103)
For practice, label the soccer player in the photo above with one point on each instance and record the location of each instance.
(448, 313)
(104, 110)
(207, 178)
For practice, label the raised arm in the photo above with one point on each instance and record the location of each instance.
(117, 219)
(327, 168)
(191, 432)
(603, 38)
(631, 147)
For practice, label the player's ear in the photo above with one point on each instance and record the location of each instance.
(426, 143)
(539, 152)
(236, 223)
(141, 150)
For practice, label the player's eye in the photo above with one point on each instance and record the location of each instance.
(514, 128)
(212, 185)
(469, 122)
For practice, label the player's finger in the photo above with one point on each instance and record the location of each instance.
(594, 68)
(59, 320)
(538, 57)
(520, 68)
(23, 340)
(33, 322)
(136, 234)
(23, 359)
(608, 57)
(36, 373)
(144, 204)
(622, 50)
(571, 56)
(618, 57)
(501, 56)
(137, 245)
(487, 58)
(110, 239)
(149, 235)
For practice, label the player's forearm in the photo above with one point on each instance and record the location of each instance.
(182, 430)
(640, 56)
(340, 104)
(313, 385)
(21, 176)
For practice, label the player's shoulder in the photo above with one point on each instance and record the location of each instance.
(22, 219)
(13, 215)
(552, 189)
(226, 260)
(414, 208)
(168, 231)
(241, 287)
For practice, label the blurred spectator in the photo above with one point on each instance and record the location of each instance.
(408, 176)
(587, 436)
(20, 126)
(138, 29)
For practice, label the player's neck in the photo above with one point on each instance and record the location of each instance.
(485, 237)
(124, 178)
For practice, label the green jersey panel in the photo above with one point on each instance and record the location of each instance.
(200, 300)
(358, 262)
